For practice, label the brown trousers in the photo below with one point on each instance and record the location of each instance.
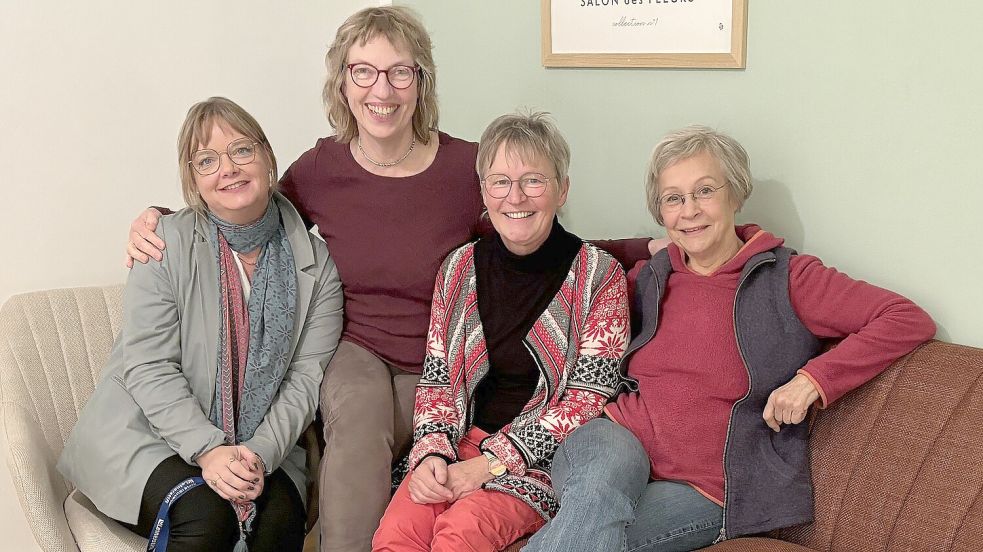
(367, 409)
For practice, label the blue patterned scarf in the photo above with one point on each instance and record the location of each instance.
(254, 339)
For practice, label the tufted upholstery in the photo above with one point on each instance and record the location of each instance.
(52, 346)
(897, 464)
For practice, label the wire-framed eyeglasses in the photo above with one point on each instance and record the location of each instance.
(703, 194)
(498, 186)
(240, 152)
(365, 75)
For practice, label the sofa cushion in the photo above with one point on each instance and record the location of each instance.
(96, 532)
(757, 545)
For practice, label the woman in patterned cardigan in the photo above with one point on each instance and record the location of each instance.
(527, 330)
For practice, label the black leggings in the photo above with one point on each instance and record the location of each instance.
(202, 520)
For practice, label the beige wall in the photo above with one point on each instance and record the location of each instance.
(91, 99)
(862, 119)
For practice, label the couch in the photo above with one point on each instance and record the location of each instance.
(897, 464)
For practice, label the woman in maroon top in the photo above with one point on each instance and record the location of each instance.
(391, 196)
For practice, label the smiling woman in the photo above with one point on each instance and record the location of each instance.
(524, 160)
(216, 368)
(237, 189)
(521, 200)
(383, 109)
(728, 359)
(697, 208)
(527, 330)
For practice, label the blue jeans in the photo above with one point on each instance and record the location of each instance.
(601, 476)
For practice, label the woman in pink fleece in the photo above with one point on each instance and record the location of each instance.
(727, 357)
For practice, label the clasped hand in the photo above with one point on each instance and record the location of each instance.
(433, 481)
(234, 472)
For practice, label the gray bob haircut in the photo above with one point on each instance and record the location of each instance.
(197, 130)
(692, 140)
(403, 29)
(528, 135)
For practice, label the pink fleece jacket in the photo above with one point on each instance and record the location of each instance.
(691, 373)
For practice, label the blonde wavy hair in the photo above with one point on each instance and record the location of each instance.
(404, 30)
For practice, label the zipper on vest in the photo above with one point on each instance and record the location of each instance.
(730, 422)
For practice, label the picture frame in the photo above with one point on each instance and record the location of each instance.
(706, 34)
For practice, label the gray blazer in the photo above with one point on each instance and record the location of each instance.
(158, 386)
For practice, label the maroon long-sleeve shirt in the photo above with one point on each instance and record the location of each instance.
(388, 237)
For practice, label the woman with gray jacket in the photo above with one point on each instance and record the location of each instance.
(189, 438)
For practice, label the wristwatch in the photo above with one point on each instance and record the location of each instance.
(495, 466)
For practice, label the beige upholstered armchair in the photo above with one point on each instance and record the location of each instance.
(52, 346)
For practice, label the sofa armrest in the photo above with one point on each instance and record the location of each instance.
(41, 490)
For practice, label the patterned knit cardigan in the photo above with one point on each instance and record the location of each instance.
(577, 343)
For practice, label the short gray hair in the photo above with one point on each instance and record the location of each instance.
(529, 134)
(692, 140)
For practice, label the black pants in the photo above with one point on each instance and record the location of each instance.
(202, 520)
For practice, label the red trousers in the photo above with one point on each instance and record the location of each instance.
(483, 521)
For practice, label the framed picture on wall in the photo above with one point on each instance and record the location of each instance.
(644, 33)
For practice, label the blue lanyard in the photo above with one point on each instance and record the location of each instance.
(162, 525)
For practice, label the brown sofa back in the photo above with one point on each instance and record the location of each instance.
(898, 463)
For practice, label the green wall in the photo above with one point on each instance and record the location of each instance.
(862, 119)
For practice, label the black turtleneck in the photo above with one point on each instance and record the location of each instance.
(513, 291)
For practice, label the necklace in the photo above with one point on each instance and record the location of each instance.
(250, 263)
(390, 163)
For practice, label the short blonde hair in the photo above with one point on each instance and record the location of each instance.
(197, 129)
(403, 29)
(692, 140)
(529, 135)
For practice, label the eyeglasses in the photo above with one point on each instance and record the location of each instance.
(703, 194)
(207, 161)
(365, 75)
(498, 186)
